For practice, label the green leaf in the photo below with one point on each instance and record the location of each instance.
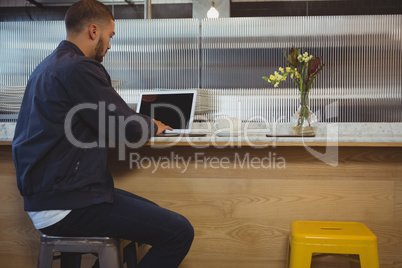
(310, 82)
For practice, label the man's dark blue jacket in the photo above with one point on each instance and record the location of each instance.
(62, 133)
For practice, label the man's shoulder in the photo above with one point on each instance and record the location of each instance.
(67, 56)
(61, 59)
(65, 60)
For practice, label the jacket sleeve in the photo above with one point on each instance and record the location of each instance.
(97, 103)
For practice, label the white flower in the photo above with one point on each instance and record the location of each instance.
(300, 58)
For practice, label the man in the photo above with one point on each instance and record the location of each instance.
(61, 167)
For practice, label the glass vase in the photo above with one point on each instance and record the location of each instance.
(304, 121)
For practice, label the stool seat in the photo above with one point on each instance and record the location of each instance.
(309, 237)
(107, 249)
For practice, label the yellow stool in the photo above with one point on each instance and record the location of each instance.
(308, 237)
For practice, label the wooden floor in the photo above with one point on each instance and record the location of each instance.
(241, 213)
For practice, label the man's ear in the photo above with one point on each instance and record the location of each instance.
(93, 31)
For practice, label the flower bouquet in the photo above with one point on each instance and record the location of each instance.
(303, 70)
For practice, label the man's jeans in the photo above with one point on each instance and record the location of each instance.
(133, 218)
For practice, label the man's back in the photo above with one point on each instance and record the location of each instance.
(48, 164)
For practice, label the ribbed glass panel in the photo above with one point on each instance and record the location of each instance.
(22, 46)
(145, 55)
(154, 54)
(361, 80)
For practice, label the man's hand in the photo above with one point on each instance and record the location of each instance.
(161, 127)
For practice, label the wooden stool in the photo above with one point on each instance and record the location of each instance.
(107, 249)
(308, 237)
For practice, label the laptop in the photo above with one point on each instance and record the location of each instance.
(172, 107)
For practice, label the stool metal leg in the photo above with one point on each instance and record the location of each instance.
(109, 257)
(45, 258)
(300, 257)
(369, 260)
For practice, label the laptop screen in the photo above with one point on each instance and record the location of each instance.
(173, 108)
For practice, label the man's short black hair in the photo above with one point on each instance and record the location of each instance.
(85, 12)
